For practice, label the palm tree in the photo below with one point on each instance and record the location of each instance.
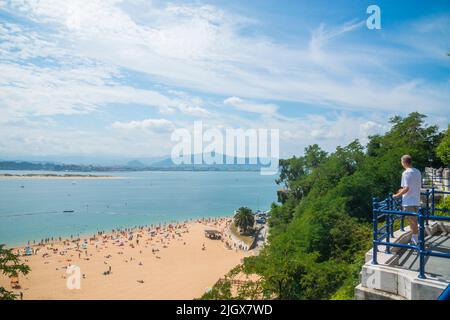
(244, 219)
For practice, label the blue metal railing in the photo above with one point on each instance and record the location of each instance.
(445, 295)
(390, 210)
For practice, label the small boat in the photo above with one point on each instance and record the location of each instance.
(68, 211)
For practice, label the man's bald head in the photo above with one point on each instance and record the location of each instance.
(406, 160)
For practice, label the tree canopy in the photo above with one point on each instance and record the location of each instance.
(10, 266)
(443, 149)
(244, 219)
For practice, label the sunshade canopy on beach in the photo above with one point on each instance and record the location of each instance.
(213, 234)
(14, 280)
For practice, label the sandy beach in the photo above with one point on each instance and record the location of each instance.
(155, 262)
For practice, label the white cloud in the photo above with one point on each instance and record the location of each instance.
(369, 128)
(240, 104)
(74, 57)
(41, 141)
(201, 47)
(159, 125)
(327, 130)
(321, 36)
(34, 91)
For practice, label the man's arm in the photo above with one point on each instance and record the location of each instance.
(401, 192)
(404, 185)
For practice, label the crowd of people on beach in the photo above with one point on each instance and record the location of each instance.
(158, 237)
(159, 233)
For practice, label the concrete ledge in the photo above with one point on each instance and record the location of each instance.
(362, 293)
(400, 282)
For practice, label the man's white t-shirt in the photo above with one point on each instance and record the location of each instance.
(412, 179)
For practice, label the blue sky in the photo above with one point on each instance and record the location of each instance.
(115, 78)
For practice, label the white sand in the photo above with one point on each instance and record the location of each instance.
(182, 271)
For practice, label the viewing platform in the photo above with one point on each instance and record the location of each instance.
(395, 269)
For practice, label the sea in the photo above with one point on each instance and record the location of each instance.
(34, 209)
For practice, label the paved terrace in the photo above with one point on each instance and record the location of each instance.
(435, 267)
(395, 277)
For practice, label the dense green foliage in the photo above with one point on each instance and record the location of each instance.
(10, 266)
(244, 219)
(443, 150)
(223, 289)
(321, 231)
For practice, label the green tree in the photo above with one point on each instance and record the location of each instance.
(10, 266)
(314, 156)
(443, 149)
(291, 172)
(289, 272)
(295, 171)
(244, 219)
(220, 291)
(408, 135)
(223, 288)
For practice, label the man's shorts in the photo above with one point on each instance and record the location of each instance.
(411, 209)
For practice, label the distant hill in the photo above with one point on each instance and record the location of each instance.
(47, 166)
(235, 162)
(132, 165)
(85, 160)
(135, 164)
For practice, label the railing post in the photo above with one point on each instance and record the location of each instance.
(388, 223)
(432, 178)
(421, 245)
(392, 225)
(375, 230)
(392, 220)
(402, 218)
(432, 201)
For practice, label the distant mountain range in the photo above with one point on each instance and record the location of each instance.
(145, 164)
(86, 160)
(232, 162)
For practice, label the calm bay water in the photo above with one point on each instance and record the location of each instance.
(140, 198)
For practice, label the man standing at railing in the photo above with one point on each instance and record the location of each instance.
(410, 192)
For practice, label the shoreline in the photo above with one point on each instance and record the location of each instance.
(87, 234)
(167, 261)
